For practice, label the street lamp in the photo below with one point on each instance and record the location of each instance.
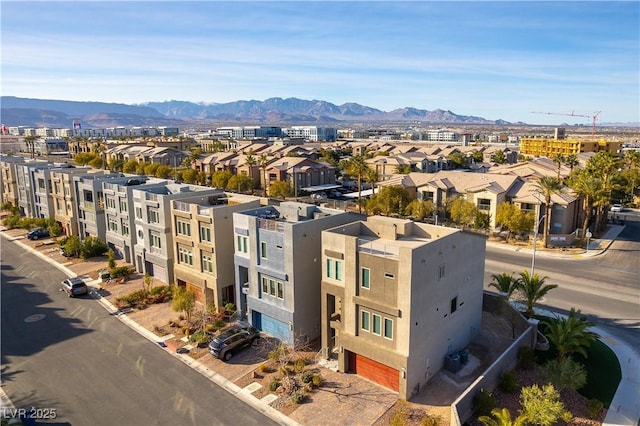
(535, 243)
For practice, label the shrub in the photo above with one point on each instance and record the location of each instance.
(285, 370)
(317, 380)
(111, 256)
(135, 297)
(594, 407)
(186, 330)
(298, 397)
(299, 365)
(306, 377)
(508, 382)
(160, 289)
(400, 415)
(92, 247)
(273, 385)
(543, 404)
(219, 323)
(526, 358)
(565, 373)
(72, 245)
(431, 420)
(483, 403)
(200, 337)
(263, 368)
(209, 328)
(119, 272)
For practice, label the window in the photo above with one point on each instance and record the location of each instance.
(272, 287)
(67, 191)
(185, 256)
(205, 233)
(183, 228)
(139, 212)
(484, 204)
(389, 275)
(207, 263)
(388, 328)
(263, 250)
(241, 242)
(441, 272)
(154, 241)
(377, 324)
(113, 225)
(334, 269)
(153, 216)
(365, 274)
(123, 205)
(454, 304)
(125, 229)
(365, 324)
(111, 203)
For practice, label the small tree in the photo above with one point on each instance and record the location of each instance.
(147, 282)
(279, 189)
(184, 300)
(505, 283)
(111, 259)
(533, 288)
(73, 246)
(503, 417)
(55, 230)
(571, 334)
(463, 212)
(542, 405)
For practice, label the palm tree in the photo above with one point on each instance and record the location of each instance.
(570, 335)
(251, 161)
(503, 418)
(358, 167)
(587, 187)
(548, 185)
(372, 177)
(571, 161)
(532, 288)
(559, 160)
(504, 283)
(263, 161)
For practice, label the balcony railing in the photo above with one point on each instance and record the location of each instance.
(377, 248)
(204, 211)
(271, 225)
(181, 206)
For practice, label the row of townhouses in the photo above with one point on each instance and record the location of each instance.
(389, 298)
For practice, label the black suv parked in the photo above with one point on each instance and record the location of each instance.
(230, 341)
(37, 234)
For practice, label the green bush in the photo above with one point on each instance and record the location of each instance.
(111, 256)
(298, 397)
(317, 380)
(526, 358)
(72, 245)
(508, 382)
(306, 377)
(119, 271)
(273, 385)
(594, 407)
(92, 247)
(483, 403)
(160, 289)
(200, 337)
(299, 365)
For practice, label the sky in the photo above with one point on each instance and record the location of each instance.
(496, 60)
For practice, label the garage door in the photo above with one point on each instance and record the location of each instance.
(272, 326)
(374, 371)
(160, 274)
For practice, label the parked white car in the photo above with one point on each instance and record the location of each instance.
(616, 208)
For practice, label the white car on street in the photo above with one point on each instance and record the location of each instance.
(616, 208)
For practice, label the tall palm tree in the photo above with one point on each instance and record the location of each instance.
(502, 417)
(587, 187)
(505, 283)
(372, 177)
(263, 161)
(605, 166)
(251, 161)
(571, 161)
(559, 160)
(532, 288)
(548, 185)
(570, 335)
(358, 167)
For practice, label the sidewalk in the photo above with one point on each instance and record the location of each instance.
(597, 246)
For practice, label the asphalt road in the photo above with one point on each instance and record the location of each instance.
(605, 287)
(70, 356)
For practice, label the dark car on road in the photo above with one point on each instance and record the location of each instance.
(230, 341)
(74, 287)
(38, 233)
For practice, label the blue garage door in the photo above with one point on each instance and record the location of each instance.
(272, 326)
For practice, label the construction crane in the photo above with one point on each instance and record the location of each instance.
(593, 117)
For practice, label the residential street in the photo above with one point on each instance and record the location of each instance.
(71, 356)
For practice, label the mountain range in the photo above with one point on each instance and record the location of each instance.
(273, 111)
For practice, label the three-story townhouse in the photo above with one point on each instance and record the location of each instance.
(9, 179)
(398, 296)
(66, 202)
(278, 268)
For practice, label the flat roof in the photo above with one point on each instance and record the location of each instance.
(317, 188)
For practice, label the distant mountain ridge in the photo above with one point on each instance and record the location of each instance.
(273, 111)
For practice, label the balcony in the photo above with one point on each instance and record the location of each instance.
(271, 225)
(181, 206)
(204, 211)
(378, 248)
